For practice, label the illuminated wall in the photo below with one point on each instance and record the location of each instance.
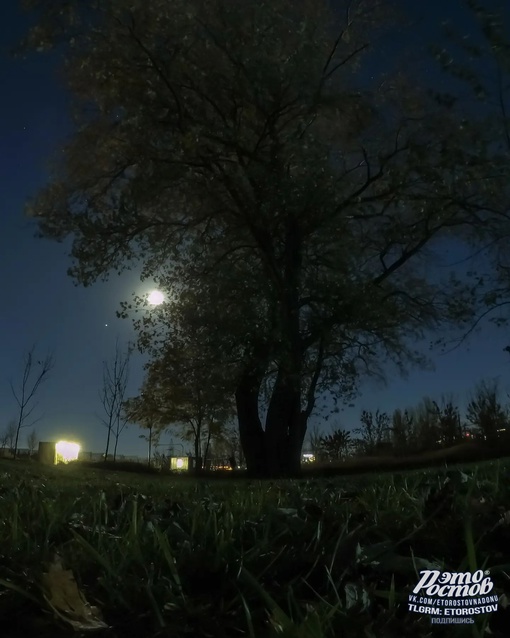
(179, 463)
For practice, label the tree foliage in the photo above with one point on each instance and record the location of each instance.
(427, 428)
(375, 431)
(225, 444)
(146, 411)
(485, 411)
(479, 63)
(335, 446)
(451, 429)
(402, 430)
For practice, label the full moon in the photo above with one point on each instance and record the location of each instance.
(156, 298)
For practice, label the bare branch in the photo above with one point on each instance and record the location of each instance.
(27, 390)
(112, 396)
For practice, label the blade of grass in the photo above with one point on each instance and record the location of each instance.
(279, 615)
(249, 622)
(169, 558)
(391, 598)
(470, 544)
(19, 590)
(99, 558)
(154, 605)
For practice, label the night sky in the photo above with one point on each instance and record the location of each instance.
(40, 304)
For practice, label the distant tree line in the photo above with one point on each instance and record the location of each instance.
(427, 426)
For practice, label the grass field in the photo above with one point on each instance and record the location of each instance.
(119, 554)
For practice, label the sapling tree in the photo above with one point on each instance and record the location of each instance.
(151, 436)
(32, 442)
(146, 411)
(112, 396)
(35, 373)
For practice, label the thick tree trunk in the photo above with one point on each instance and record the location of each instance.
(198, 452)
(284, 433)
(250, 428)
(206, 452)
(278, 422)
(295, 446)
(276, 451)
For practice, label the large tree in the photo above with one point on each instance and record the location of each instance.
(293, 210)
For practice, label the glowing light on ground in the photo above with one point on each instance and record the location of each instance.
(67, 451)
(156, 298)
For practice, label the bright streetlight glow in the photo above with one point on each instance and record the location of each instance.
(67, 451)
(156, 298)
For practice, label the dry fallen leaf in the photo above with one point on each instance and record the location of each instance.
(66, 600)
